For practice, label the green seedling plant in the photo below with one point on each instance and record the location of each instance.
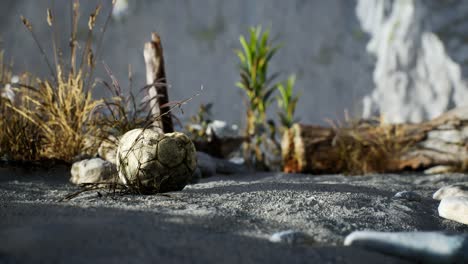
(201, 119)
(287, 102)
(259, 86)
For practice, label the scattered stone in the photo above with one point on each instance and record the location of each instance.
(454, 190)
(155, 162)
(237, 160)
(197, 175)
(222, 130)
(408, 195)
(292, 237)
(440, 169)
(424, 247)
(454, 208)
(92, 171)
(228, 167)
(108, 149)
(206, 164)
(210, 165)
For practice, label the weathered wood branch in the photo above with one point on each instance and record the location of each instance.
(366, 148)
(156, 79)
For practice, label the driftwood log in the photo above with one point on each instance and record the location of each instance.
(156, 80)
(367, 148)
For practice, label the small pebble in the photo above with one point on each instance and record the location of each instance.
(421, 247)
(408, 195)
(291, 237)
(196, 176)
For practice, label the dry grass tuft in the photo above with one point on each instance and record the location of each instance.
(370, 148)
(121, 112)
(56, 118)
(61, 108)
(19, 140)
(62, 113)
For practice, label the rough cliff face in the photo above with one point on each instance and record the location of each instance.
(421, 55)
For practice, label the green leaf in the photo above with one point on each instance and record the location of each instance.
(241, 85)
(264, 41)
(268, 93)
(253, 72)
(253, 39)
(240, 55)
(245, 80)
(247, 52)
(290, 84)
(283, 98)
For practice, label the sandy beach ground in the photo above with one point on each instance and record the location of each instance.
(222, 219)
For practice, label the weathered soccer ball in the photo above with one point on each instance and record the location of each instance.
(152, 162)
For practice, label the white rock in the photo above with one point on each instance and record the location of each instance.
(291, 237)
(92, 171)
(454, 208)
(454, 190)
(14, 79)
(108, 149)
(196, 127)
(421, 247)
(222, 130)
(237, 160)
(210, 165)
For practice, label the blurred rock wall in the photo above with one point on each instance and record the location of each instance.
(404, 59)
(421, 56)
(322, 43)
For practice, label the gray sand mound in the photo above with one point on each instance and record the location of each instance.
(220, 220)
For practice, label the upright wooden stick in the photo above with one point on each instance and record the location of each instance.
(156, 78)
